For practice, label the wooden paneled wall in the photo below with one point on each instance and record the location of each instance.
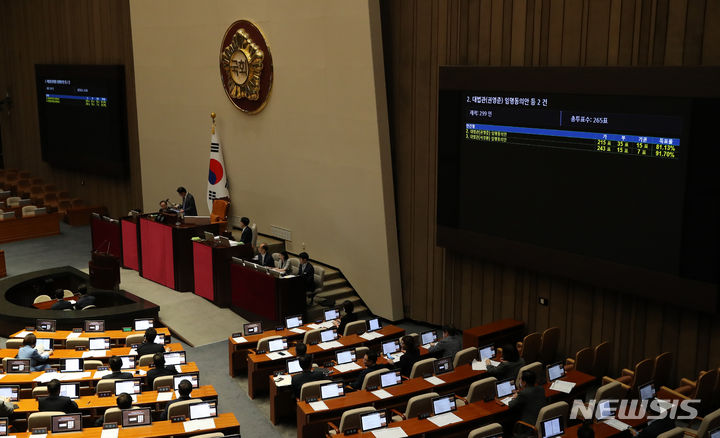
(64, 32)
(442, 286)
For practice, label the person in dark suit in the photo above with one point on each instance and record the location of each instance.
(307, 375)
(85, 298)
(306, 271)
(115, 364)
(348, 308)
(264, 258)
(55, 402)
(246, 232)
(655, 427)
(411, 354)
(160, 369)
(149, 346)
(188, 202)
(509, 366)
(370, 361)
(450, 344)
(123, 401)
(184, 389)
(61, 304)
(530, 399)
(586, 431)
(300, 349)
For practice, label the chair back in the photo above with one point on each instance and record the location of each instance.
(219, 211)
(373, 378)
(351, 419)
(253, 227)
(319, 278)
(643, 373)
(312, 389)
(420, 404)
(549, 345)
(361, 351)
(39, 391)
(559, 409)
(105, 385)
(535, 367)
(77, 342)
(662, 369)
(294, 264)
(584, 360)
(312, 336)
(464, 357)
(136, 338)
(145, 360)
(356, 327)
(91, 364)
(28, 210)
(601, 359)
(42, 419)
(490, 430)
(422, 367)
(113, 415)
(480, 390)
(14, 343)
(161, 381)
(611, 391)
(13, 201)
(710, 422)
(68, 293)
(182, 408)
(263, 343)
(704, 388)
(41, 299)
(88, 307)
(531, 347)
(676, 432)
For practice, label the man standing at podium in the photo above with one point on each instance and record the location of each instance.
(188, 202)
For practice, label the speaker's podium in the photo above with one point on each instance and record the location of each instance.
(104, 271)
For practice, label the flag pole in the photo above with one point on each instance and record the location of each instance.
(213, 122)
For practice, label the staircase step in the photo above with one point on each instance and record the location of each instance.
(332, 275)
(335, 283)
(337, 293)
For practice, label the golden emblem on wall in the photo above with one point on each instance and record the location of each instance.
(246, 66)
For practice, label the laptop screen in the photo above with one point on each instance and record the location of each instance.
(203, 410)
(18, 366)
(552, 427)
(99, 343)
(428, 337)
(10, 391)
(328, 335)
(293, 366)
(70, 390)
(443, 365)
(252, 328)
(3, 426)
(486, 352)
(175, 358)
(373, 324)
(130, 386)
(277, 344)
(555, 371)
(92, 326)
(715, 433)
(45, 325)
(505, 387)
(445, 403)
(136, 417)
(389, 379)
(390, 347)
(66, 423)
(128, 362)
(160, 339)
(71, 365)
(647, 391)
(193, 378)
(44, 344)
(331, 390)
(373, 420)
(604, 410)
(293, 321)
(345, 356)
(331, 314)
(143, 324)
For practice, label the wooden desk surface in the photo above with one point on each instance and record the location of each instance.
(29, 227)
(223, 422)
(74, 354)
(495, 329)
(48, 304)
(112, 334)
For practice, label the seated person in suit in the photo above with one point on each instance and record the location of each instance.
(56, 402)
(149, 346)
(160, 369)
(38, 361)
(163, 207)
(7, 407)
(450, 343)
(530, 399)
(348, 316)
(123, 401)
(411, 354)
(115, 364)
(370, 361)
(264, 258)
(306, 271)
(655, 426)
(509, 366)
(300, 349)
(85, 298)
(307, 375)
(61, 304)
(246, 236)
(283, 264)
(188, 202)
(184, 389)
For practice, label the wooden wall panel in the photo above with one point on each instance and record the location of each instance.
(65, 32)
(442, 286)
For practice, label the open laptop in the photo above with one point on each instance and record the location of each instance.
(555, 371)
(99, 343)
(443, 404)
(10, 391)
(505, 388)
(428, 337)
(391, 378)
(715, 433)
(373, 420)
(142, 324)
(391, 347)
(647, 391)
(128, 362)
(292, 322)
(94, 326)
(443, 365)
(604, 410)
(136, 417)
(43, 344)
(345, 356)
(70, 390)
(130, 386)
(3, 426)
(328, 335)
(373, 324)
(202, 410)
(252, 328)
(73, 365)
(193, 378)
(486, 352)
(331, 390)
(18, 366)
(332, 314)
(175, 358)
(278, 344)
(159, 339)
(552, 427)
(45, 325)
(66, 423)
(293, 366)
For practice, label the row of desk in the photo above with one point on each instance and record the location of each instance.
(59, 337)
(29, 227)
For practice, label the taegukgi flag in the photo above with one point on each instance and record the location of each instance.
(217, 178)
